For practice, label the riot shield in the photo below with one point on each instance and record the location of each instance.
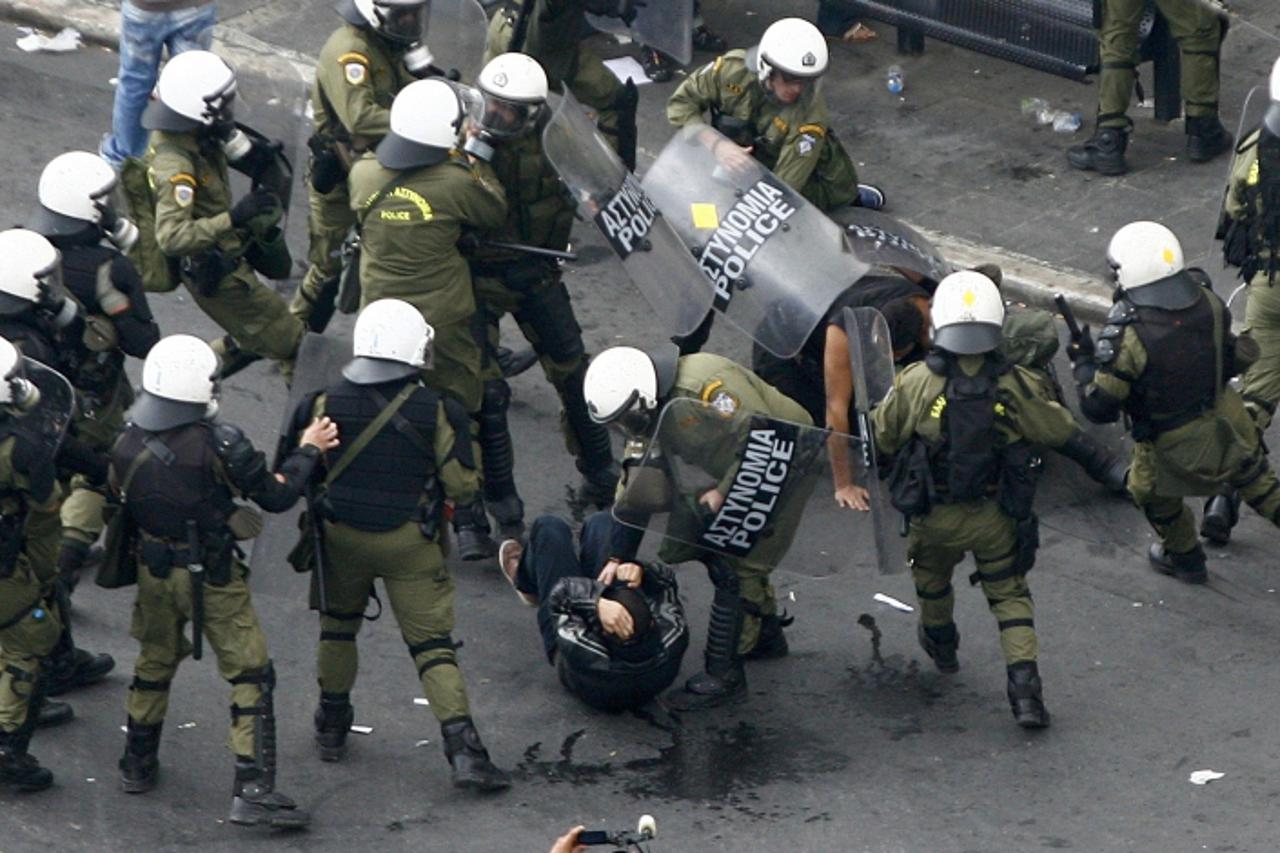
(882, 241)
(773, 261)
(455, 34)
(1209, 254)
(871, 360)
(271, 106)
(48, 422)
(319, 364)
(663, 24)
(610, 196)
(764, 472)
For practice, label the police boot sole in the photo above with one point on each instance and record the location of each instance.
(687, 700)
(1198, 576)
(139, 786)
(245, 813)
(83, 676)
(1089, 162)
(1203, 152)
(331, 754)
(29, 785)
(55, 714)
(481, 783)
(1032, 719)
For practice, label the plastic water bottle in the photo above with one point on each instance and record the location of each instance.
(893, 80)
(1034, 106)
(1067, 122)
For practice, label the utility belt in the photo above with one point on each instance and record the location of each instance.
(162, 556)
(205, 270)
(1151, 428)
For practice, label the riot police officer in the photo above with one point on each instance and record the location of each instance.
(767, 101)
(1164, 359)
(198, 227)
(81, 213)
(630, 386)
(539, 214)
(964, 422)
(179, 472)
(29, 496)
(381, 504)
(374, 54)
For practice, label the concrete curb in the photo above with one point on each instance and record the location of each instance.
(1026, 279)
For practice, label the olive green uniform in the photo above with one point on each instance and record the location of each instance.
(1261, 382)
(193, 203)
(99, 418)
(357, 77)
(727, 387)
(938, 540)
(409, 239)
(419, 589)
(794, 141)
(1220, 448)
(1198, 32)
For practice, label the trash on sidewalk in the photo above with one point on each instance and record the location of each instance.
(1204, 777)
(1063, 121)
(893, 602)
(361, 730)
(33, 41)
(188, 725)
(421, 701)
(626, 68)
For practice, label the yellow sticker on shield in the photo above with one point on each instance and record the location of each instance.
(704, 215)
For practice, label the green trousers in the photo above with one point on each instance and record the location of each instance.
(160, 613)
(31, 632)
(1261, 382)
(420, 593)
(254, 315)
(1198, 32)
(329, 219)
(937, 542)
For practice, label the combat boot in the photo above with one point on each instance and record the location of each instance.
(1102, 466)
(1102, 153)
(772, 642)
(1206, 138)
(256, 802)
(333, 720)
(140, 764)
(513, 363)
(471, 528)
(68, 668)
(1188, 568)
(1025, 697)
(231, 358)
(509, 513)
(18, 768)
(1221, 513)
(469, 759)
(723, 680)
(940, 643)
(54, 714)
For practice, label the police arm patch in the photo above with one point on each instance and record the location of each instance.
(723, 402)
(355, 67)
(184, 189)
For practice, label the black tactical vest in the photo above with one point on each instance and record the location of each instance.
(175, 483)
(966, 464)
(1179, 381)
(33, 337)
(93, 373)
(384, 484)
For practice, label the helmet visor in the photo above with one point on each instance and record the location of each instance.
(219, 107)
(504, 119)
(404, 24)
(111, 205)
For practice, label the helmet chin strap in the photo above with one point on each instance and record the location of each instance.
(211, 409)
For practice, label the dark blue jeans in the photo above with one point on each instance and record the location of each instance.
(552, 555)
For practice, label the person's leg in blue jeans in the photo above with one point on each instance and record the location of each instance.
(552, 555)
(143, 38)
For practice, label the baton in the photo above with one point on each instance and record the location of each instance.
(317, 532)
(533, 250)
(1067, 314)
(195, 567)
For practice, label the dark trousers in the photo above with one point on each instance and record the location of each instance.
(552, 555)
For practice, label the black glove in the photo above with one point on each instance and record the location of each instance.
(256, 203)
(1082, 348)
(1235, 245)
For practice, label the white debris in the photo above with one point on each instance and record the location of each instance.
(422, 742)
(361, 730)
(893, 602)
(792, 595)
(1204, 777)
(626, 68)
(35, 41)
(1137, 604)
(90, 779)
(190, 725)
(420, 701)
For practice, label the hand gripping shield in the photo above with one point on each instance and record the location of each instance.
(762, 469)
(663, 24)
(455, 35)
(610, 196)
(773, 263)
(871, 361)
(271, 109)
(48, 422)
(1209, 254)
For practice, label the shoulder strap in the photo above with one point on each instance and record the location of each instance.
(133, 469)
(368, 434)
(402, 425)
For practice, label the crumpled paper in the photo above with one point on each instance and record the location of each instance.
(34, 41)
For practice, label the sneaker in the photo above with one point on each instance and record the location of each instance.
(655, 64)
(509, 554)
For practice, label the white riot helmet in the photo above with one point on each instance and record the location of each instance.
(79, 190)
(1272, 117)
(399, 21)
(967, 314)
(392, 341)
(196, 90)
(514, 88)
(178, 384)
(1141, 253)
(625, 384)
(425, 119)
(16, 390)
(792, 46)
(28, 264)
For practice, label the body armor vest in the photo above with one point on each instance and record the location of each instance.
(94, 373)
(1182, 354)
(33, 337)
(966, 464)
(168, 489)
(385, 483)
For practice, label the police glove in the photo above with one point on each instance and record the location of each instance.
(260, 202)
(1081, 348)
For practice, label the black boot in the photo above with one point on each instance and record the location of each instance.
(231, 358)
(513, 363)
(471, 528)
(18, 768)
(68, 667)
(1025, 697)
(1206, 138)
(1221, 513)
(1188, 568)
(54, 714)
(772, 642)
(723, 680)
(469, 759)
(941, 643)
(333, 720)
(600, 471)
(498, 458)
(1098, 462)
(255, 801)
(71, 559)
(140, 764)
(1102, 153)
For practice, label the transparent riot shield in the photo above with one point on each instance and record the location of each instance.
(47, 423)
(774, 262)
(663, 24)
(716, 478)
(608, 195)
(271, 106)
(871, 360)
(882, 241)
(455, 35)
(1209, 251)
